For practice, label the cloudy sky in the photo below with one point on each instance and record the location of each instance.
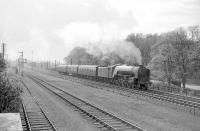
(51, 28)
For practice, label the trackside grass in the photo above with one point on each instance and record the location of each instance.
(10, 91)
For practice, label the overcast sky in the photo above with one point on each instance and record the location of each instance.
(51, 28)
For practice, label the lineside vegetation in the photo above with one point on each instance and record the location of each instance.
(10, 91)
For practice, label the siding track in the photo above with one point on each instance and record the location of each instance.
(33, 116)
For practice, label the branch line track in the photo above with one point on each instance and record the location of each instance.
(33, 117)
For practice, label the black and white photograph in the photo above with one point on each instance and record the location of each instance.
(99, 65)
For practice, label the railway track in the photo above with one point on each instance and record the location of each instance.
(103, 84)
(194, 99)
(186, 101)
(33, 116)
(100, 118)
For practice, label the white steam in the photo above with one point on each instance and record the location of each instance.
(124, 50)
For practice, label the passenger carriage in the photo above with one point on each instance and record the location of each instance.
(88, 71)
(72, 70)
(61, 69)
(105, 73)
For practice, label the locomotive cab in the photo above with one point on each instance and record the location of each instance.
(143, 77)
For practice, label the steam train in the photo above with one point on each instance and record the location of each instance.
(123, 75)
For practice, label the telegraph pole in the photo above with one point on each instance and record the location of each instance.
(55, 64)
(21, 63)
(47, 65)
(71, 61)
(6, 61)
(3, 50)
(32, 60)
(4, 56)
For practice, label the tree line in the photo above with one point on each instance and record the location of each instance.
(171, 56)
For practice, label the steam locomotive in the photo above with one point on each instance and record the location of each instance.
(123, 75)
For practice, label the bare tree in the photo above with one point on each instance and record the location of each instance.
(184, 52)
(194, 32)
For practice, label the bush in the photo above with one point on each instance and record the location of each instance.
(10, 91)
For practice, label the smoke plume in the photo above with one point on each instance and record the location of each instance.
(107, 53)
(117, 51)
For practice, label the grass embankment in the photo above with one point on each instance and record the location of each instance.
(10, 91)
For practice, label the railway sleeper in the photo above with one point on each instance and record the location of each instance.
(105, 119)
(39, 124)
(34, 118)
(113, 122)
(98, 115)
(35, 115)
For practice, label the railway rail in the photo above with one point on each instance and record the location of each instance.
(186, 101)
(102, 119)
(33, 116)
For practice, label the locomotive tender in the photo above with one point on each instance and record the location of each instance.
(129, 76)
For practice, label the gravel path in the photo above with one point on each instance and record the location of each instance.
(150, 115)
